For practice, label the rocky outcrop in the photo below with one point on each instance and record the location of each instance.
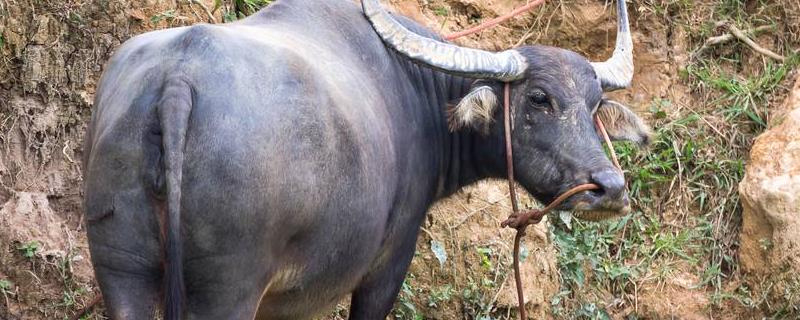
(770, 193)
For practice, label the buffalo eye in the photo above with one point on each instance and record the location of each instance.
(539, 99)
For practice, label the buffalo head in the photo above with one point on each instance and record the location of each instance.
(555, 95)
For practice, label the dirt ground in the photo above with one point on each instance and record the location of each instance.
(52, 54)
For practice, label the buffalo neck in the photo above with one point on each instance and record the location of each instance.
(464, 156)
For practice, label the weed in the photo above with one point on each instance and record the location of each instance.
(440, 295)
(72, 291)
(5, 286)
(485, 255)
(248, 7)
(168, 15)
(241, 8)
(29, 249)
(475, 301)
(592, 312)
(229, 16)
(441, 11)
(76, 18)
(405, 308)
(5, 289)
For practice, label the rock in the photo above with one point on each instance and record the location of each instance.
(770, 193)
(792, 102)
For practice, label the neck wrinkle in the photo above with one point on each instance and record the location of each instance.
(454, 149)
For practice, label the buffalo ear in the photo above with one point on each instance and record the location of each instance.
(475, 110)
(622, 124)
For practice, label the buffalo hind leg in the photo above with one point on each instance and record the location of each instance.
(128, 296)
(125, 252)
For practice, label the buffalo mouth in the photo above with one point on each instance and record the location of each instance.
(591, 206)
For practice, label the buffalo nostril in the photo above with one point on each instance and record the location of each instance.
(611, 183)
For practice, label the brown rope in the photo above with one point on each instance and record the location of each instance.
(495, 21)
(602, 128)
(520, 221)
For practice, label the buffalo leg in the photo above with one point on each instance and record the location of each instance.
(227, 287)
(121, 228)
(375, 296)
(128, 296)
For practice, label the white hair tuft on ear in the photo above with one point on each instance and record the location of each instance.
(475, 110)
(623, 124)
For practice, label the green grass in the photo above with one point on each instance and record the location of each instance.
(743, 98)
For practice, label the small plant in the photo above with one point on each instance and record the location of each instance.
(229, 16)
(69, 298)
(72, 291)
(29, 249)
(241, 8)
(765, 244)
(5, 289)
(591, 311)
(168, 15)
(441, 11)
(5, 286)
(439, 295)
(75, 18)
(248, 7)
(485, 254)
(406, 309)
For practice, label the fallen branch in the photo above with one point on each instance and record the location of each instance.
(728, 37)
(736, 33)
(741, 36)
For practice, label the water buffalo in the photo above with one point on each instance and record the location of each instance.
(269, 167)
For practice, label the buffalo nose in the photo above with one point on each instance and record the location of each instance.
(611, 183)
